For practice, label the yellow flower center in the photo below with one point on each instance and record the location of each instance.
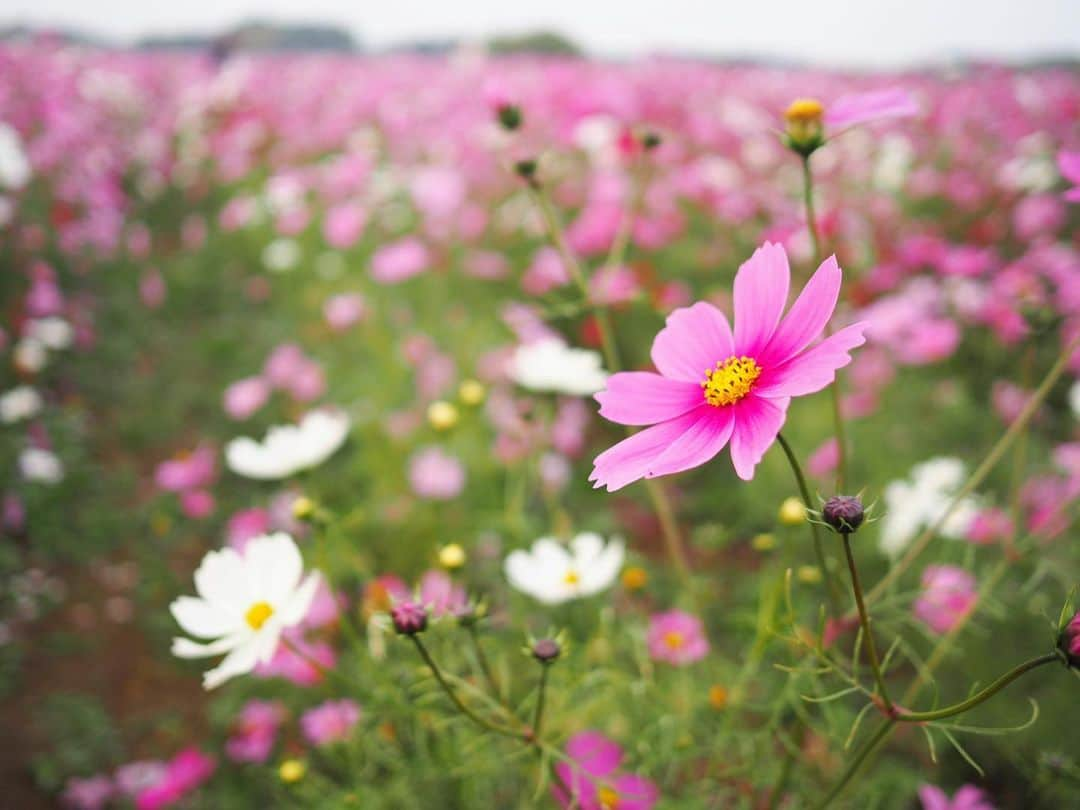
(257, 614)
(572, 577)
(609, 799)
(674, 639)
(805, 110)
(730, 381)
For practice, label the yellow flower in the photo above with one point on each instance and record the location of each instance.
(763, 542)
(471, 392)
(292, 770)
(805, 128)
(809, 574)
(792, 512)
(303, 508)
(452, 556)
(635, 578)
(718, 696)
(442, 415)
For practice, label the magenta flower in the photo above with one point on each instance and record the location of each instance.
(592, 782)
(677, 637)
(255, 731)
(947, 597)
(301, 662)
(92, 793)
(330, 722)
(244, 397)
(183, 774)
(715, 386)
(877, 105)
(968, 797)
(188, 471)
(1069, 164)
(399, 260)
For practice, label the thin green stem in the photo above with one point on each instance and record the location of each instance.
(808, 202)
(982, 695)
(864, 619)
(1015, 430)
(450, 693)
(481, 659)
(538, 716)
(868, 748)
(815, 532)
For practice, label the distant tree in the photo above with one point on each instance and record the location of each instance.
(535, 42)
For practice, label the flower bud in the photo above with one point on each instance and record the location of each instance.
(526, 170)
(471, 392)
(510, 117)
(1069, 641)
(442, 415)
(792, 512)
(303, 508)
(452, 556)
(292, 770)
(844, 513)
(546, 650)
(409, 618)
(650, 140)
(805, 129)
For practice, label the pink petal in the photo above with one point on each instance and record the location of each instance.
(1073, 195)
(693, 341)
(807, 316)
(636, 792)
(933, 798)
(594, 753)
(644, 398)
(859, 108)
(1069, 163)
(761, 290)
(813, 369)
(757, 421)
(703, 440)
(631, 458)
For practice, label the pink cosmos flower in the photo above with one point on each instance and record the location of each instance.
(990, 525)
(715, 386)
(947, 597)
(399, 260)
(439, 594)
(877, 105)
(342, 311)
(1069, 164)
(968, 797)
(296, 665)
(186, 472)
(677, 637)
(824, 460)
(436, 475)
(197, 503)
(152, 289)
(593, 781)
(330, 722)
(244, 397)
(135, 777)
(284, 363)
(183, 774)
(254, 731)
(244, 525)
(92, 793)
(343, 225)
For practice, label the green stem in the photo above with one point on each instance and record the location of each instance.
(450, 693)
(868, 748)
(983, 695)
(864, 619)
(815, 533)
(481, 659)
(538, 717)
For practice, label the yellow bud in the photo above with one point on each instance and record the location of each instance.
(452, 556)
(808, 574)
(471, 392)
(792, 512)
(292, 770)
(303, 508)
(442, 415)
(805, 129)
(635, 578)
(763, 542)
(718, 696)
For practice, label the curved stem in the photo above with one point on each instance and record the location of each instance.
(983, 695)
(864, 619)
(815, 533)
(450, 693)
(868, 748)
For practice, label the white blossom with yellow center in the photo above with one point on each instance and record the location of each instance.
(552, 572)
(245, 600)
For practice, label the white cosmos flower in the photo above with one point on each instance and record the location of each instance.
(287, 449)
(15, 168)
(30, 355)
(281, 255)
(551, 365)
(912, 505)
(552, 573)
(245, 601)
(21, 402)
(43, 466)
(55, 333)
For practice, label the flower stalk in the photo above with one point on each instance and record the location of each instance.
(864, 620)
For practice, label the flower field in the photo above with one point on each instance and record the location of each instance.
(511, 432)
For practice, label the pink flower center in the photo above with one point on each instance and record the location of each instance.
(730, 381)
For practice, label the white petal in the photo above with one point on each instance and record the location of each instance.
(220, 579)
(296, 608)
(186, 648)
(274, 566)
(203, 620)
(238, 662)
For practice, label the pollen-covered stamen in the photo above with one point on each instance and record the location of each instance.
(257, 614)
(571, 577)
(674, 639)
(731, 380)
(608, 798)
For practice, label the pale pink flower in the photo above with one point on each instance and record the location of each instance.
(343, 225)
(244, 525)
(436, 475)
(990, 525)
(244, 397)
(877, 105)
(438, 593)
(184, 773)
(613, 285)
(948, 595)
(330, 722)
(677, 638)
(152, 289)
(715, 386)
(92, 793)
(196, 503)
(254, 731)
(284, 362)
(188, 471)
(824, 459)
(546, 272)
(344, 310)
(1069, 164)
(296, 665)
(401, 260)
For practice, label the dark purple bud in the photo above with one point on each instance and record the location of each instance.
(546, 650)
(409, 618)
(844, 513)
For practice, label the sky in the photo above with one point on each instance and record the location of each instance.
(845, 33)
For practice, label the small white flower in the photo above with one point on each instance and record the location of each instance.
(245, 601)
(15, 168)
(37, 464)
(552, 573)
(21, 402)
(281, 255)
(287, 449)
(30, 355)
(55, 333)
(551, 365)
(911, 506)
